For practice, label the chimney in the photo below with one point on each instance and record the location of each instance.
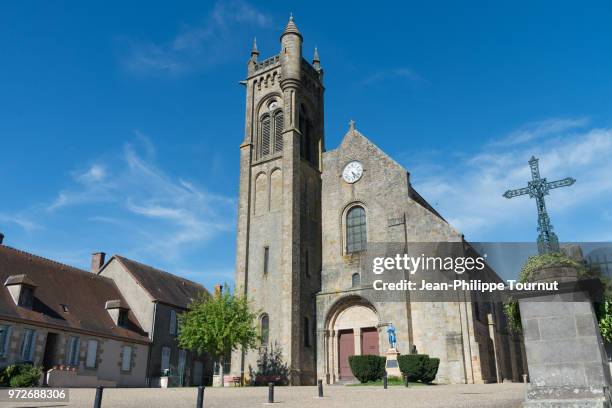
(1, 238)
(218, 289)
(97, 261)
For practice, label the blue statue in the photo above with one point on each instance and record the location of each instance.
(391, 333)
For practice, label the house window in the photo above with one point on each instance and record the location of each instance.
(165, 359)
(266, 261)
(92, 354)
(126, 358)
(355, 280)
(122, 318)
(356, 230)
(264, 329)
(27, 345)
(4, 339)
(72, 354)
(26, 297)
(173, 322)
(306, 332)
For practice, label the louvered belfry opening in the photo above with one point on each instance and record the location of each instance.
(271, 134)
(278, 131)
(265, 136)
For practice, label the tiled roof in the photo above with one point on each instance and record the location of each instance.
(60, 286)
(163, 286)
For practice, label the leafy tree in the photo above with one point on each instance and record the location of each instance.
(218, 325)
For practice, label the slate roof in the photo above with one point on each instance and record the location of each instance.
(163, 286)
(84, 294)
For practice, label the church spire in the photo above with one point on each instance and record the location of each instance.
(254, 51)
(291, 27)
(316, 62)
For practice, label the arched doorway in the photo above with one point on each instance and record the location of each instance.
(352, 329)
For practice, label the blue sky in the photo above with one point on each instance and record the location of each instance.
(120, 122)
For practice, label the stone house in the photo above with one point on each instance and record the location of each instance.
(75, 324)
(157, 298)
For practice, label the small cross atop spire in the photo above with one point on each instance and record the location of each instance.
(351, 125)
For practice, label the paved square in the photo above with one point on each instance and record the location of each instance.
(508, 395)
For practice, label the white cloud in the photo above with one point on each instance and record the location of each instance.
(24, 222)
(536, 130)
(196, 46)
(393, 74)
(94, 174)
(167, 215)
(469, 191)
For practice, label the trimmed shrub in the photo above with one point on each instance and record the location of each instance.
(413, 365)
(20, 375)
(367, 368)
(270, 367)
(430, 370)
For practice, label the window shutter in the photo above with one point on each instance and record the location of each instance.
(173, 322)
(92, 353)
(265, 136)
(126, 361)
(278, 132)
(165, 361)
(3, 339)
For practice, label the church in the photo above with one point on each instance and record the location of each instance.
(307, 217)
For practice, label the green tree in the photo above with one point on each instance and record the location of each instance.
(217, 325)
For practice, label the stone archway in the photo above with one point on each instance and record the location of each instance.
(351, 329)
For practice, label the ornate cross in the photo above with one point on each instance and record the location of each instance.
(537, 188)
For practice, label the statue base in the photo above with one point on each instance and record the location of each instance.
(392, 365)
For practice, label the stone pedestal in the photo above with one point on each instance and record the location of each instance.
(392, 365)
(565, 353)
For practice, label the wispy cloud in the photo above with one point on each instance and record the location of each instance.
(468, 190)
(23, 221)
(147, 203)
(406, 74)
(537, 130)
(196, 46)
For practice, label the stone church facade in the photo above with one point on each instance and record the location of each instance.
(305, 219)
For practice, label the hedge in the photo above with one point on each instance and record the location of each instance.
(413, 365)
(430, 370)
(20, 375)
(367, 368)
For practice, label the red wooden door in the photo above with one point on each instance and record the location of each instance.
(369, 341)
(346, 344)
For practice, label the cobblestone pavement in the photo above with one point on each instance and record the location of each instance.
(507, 395)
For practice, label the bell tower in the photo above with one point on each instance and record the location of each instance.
(278, 253)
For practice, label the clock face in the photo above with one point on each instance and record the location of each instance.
(352, 172)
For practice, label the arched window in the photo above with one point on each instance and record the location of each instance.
(278, 131)
(265, 136)
(355, 280)
(356, 230)
(264, 329)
